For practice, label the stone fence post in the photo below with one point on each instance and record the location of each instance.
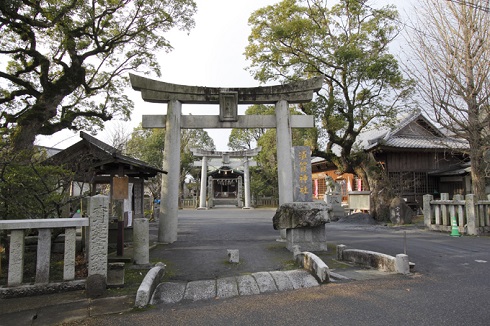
(427, 210)
(98, 209)
(471, 217)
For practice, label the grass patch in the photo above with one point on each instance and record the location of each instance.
(289, 265)
(132, 280)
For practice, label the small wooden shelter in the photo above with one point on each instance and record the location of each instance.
(95, 162)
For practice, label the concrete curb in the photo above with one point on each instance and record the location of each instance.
(399, 264)
(149, 284)
(313, 264)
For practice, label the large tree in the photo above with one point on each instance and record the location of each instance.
(347, 44)
(65, 62)
(451, 47)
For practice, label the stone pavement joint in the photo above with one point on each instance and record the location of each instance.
(227, 287)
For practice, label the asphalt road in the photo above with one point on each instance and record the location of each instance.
(450, 285)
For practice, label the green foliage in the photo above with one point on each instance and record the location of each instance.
(148, 145)
(30, 189)
(264, 178)
(348, 45)
(66, 62)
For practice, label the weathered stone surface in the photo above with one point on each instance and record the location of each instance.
(168, 292)
(301, 279)
(226, 287)
(149, 284)
(161, 92)
(95, 285)
(301, 215)
(314, 265)
(265, 282)
(43, 255)
(233, 256)
(98, 235)
(141, 241)
(16, 260)
(308, 239)
(282, 281)
(247, 285)
(200, 290)
(400, 212)
(115, 274)
(70, 252)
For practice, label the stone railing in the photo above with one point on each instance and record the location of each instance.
(266, 202)
(97, 243)
(189, 202)
(472, 216)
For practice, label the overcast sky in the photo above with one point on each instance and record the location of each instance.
(211, 55)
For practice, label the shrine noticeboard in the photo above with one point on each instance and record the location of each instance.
(120, 188)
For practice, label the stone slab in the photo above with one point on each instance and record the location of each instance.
(200, 290)
(308, 239)
(168, 292)
(247, 285)
(226, 287)
(301, 215)
(265, 282)
(283, 282)
(301, 279)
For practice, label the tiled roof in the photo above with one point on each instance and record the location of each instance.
(423, 143)
(414, 131)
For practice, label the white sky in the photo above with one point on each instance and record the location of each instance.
(211, 55)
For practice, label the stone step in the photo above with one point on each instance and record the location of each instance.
(227, 287)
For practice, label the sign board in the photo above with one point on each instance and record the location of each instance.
(120, 188)
(359, 200)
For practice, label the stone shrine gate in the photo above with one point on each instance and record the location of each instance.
(228, 99)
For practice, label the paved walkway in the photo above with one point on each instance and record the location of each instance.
(197, 269)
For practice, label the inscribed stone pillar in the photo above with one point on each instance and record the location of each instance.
(204, 175)
(138, 191)
(167, 231)
(141, 241)
(239, 193)
(210, 192)
(302, 190)
(246, 181)
(99, 234)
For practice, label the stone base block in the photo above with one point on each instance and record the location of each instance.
(309, 239)
(115, 275)
(233, 256)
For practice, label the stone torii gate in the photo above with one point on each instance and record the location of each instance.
(225, 156)
(228, 99)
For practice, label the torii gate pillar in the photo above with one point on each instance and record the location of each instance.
(169, 209)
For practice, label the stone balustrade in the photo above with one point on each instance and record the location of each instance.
(96, 247)
(472, 216)
(44, 226)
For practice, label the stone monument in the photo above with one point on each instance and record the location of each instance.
(303, 219)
